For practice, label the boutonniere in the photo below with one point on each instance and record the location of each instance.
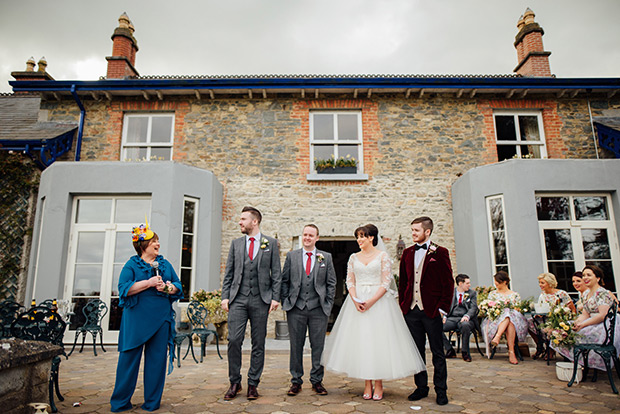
(432, 248)
(264, 243)
(465, 296)
(320, 257)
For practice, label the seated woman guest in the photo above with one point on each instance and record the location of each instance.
(589, 324)
(550, 296)
(581, 289)
(148, 285)
(511, 322)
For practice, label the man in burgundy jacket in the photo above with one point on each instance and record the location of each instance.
(426, 285)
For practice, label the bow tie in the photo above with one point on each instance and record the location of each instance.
(418, 247)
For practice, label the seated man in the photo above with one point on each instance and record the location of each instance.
(462, 312)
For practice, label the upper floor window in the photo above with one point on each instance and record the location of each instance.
(336, 142)
(519, 135)
(147, 137)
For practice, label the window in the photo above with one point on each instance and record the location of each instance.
(519, 135)
(148, 137)
(497, 234)
(336, 136)
(577, 230)
(188, 259)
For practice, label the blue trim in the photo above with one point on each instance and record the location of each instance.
(44, 151)
(78, 145)
(319, 83)
(608, 138)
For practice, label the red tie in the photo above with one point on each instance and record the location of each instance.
(251, 252)
(460, 298)
(309, 263)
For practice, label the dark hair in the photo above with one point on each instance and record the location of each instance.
(254, 212)
(598, 272)
(141, 245)
(367, 231)
(314, 227)
(578, 274)
(501, 276)
(460, 278)
(427, 223)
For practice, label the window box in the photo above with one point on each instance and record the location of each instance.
(337, 170)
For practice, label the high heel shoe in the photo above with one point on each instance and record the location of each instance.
(512, 358)
(495, 342)
(367, 396)
(377, 397)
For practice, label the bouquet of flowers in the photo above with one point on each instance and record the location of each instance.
(524, 306)
(483, 292)
(559, 326)
(492, 309)
(212, 301)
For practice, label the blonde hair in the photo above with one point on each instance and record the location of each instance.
(549, 278)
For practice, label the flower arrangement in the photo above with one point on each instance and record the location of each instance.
(212, 301)
(492, 309)
(525, 306)
(559, 326)
(483, 292)
(333, 162)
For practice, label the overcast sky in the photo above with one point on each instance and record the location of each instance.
(284, 37)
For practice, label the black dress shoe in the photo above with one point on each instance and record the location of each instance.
(294, 390)
(451, 353)
(319, 388)
(232, 391)
(252, 392)
(418, 394)
(442, 398)
(466, 357)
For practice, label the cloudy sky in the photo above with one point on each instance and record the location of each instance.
(226, 37)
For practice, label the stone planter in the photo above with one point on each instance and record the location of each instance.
(281, 330)
(337, 170)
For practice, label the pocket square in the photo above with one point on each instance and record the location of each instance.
(322, 265)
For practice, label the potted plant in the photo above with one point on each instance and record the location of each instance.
(341, 165)
(212, 301)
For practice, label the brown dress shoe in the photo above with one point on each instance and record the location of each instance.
(294, 390)
(466, 357)
(319, 388)
(232, 391)
(252, 392)
(451, 353)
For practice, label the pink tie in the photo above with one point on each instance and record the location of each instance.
(251, 248)
(308, 264)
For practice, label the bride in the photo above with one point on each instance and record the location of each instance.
(370, 339)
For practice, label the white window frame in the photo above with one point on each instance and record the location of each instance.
(192, 277)
(541, 143)
(575, 227)
(336, 142)
(491, 231)
(148, 144)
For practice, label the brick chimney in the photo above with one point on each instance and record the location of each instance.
(124, 49)
(533, 60)
(30, 74)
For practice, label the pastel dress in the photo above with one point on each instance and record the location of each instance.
(147, 324)
(593, 334)
(489, 327)
(559, 297)
(375, 344)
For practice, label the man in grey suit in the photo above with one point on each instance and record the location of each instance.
(462, 315)
(250, 291)
(308, 290)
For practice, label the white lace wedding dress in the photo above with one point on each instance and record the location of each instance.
(375, 344)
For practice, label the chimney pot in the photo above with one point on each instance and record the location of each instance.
(42, 65)
(30, 64)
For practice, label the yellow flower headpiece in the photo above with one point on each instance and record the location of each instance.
(142, 232)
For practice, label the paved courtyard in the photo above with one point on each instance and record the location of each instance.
(482, 386)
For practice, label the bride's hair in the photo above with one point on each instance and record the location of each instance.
(367, 231)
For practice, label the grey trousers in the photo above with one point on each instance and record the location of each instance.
(300, 321)
(241, 310)
(452, 323)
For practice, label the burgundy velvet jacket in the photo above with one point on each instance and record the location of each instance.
(436, 286)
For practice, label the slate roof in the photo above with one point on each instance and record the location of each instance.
(19, 120)
(608, 121)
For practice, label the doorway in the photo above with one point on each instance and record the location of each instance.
(340, 250)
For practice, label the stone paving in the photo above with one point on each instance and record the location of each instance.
(482, 386)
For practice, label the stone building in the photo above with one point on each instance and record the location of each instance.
(517, 171)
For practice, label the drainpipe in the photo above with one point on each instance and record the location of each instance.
(78, 146)
(592, 127)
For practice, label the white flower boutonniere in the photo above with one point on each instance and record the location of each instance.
(320, 257)
(432, 248)
(264, 243)
(465, 296)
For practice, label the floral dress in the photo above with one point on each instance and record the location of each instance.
(593, 334)
(559, 296)
(489, 327)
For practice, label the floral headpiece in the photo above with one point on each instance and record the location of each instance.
(142, 232)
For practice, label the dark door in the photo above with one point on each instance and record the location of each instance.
(340, 250)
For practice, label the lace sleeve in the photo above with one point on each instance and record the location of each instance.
(350, 273)
(386, 271)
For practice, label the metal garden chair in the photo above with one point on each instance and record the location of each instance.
(9, 311)
(197, 315)
(93, 311)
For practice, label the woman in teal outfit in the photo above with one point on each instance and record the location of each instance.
(148, 285)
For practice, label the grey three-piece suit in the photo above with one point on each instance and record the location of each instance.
(468, 307)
